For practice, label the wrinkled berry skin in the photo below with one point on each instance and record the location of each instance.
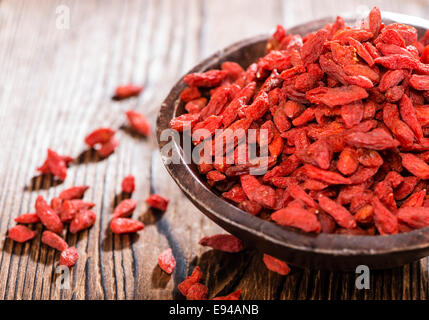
(125, 225)
(69, 257)
(48, 216)
(166, 261)
(158, 202)
(21, 234)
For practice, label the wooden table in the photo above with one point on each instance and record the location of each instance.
(56, 86)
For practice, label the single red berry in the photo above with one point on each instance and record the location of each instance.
(128, 184)
(158, 202)
(69, 257)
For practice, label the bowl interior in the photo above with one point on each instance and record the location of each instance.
(322, 251)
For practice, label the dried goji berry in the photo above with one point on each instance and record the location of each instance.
(82, 220)
(69, 257)
(54, 241)
(127, 91)
(276, 265)
(223, 242)
(298, 218)
(48, 216)
(124, 208)
(197, 291)
(108, 148)
(184, 286)
(166, 261)
(209, 78)
(76, 192)
(158, 202)
(139, 122)
(415, 165)
(99, 136)
(27, 218)
(21, 233)
(125, 225)
(341, 215)
(128, 184)
(414, 217)
(189, 94)
(384, 220)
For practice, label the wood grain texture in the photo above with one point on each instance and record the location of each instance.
(55, 87)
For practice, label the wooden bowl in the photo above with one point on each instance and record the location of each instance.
(322, 251)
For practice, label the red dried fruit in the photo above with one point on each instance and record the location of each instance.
(127, 91)
(76, 192)
(21, 233)
(377, 139)
(324, 175)
(82, 205)
(184, 286)
(197, 291)
(54, 241)
(313, 47)
(341, 215)
(189, 94)
(223, 242)
(364, 216)
(128, 184)
(409, 116)
(414, 217)
(195, 106)
(352, 113)
(419, 82)
(415, 165)
(259, 106)
(406, 187)
(56, 204)
(298, 193)
(209, 78)
(232, 296)
(251, 207)
(184, 122)
(56, 164)
(139, 122)
(235, 194)
(125, 225)
(347, 161)
(82, 220)
(48, 216)
(69, 257)
(108, 148)
(166, 261)
(157, 202)
(318, 153)
(390, 79)
(384, 220)
(99, 136)
(298, 218)
(415, 200)
(276, 265)
(68, 211)
(336, 96)
(27, 218)
(125, 208)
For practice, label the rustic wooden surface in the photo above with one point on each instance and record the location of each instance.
(55, 87)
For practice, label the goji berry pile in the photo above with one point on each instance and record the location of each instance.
(347, 115)
(67, 208)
